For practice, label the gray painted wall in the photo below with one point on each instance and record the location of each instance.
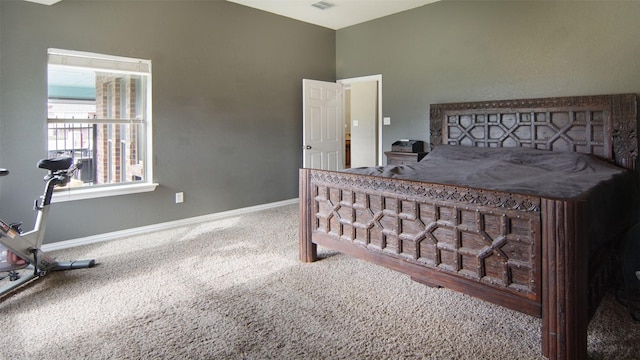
(454, 51)
(227, 86)
(227, 104)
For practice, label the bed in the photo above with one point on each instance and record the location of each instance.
(543, 253)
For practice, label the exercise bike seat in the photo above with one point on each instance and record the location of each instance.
(55, 164)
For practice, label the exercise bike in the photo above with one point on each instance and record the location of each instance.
(20, 250)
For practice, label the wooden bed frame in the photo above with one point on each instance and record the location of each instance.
(519, 251)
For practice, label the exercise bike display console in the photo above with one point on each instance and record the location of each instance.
(20, 250)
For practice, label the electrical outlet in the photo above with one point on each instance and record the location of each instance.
(179, 197)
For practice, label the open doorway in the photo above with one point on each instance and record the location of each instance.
(363, 121)
(331, 140)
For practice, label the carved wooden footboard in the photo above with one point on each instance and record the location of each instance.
(528, 253)
(465, 239)
(492, 245)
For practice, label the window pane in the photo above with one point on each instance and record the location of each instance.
(98, 117)
(109, 153)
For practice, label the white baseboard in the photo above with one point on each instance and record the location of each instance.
(162, 226)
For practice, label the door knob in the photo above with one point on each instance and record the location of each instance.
(306, 147)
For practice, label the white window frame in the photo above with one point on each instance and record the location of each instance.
(110, 63)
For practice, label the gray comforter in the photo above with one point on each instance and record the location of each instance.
(521, 170)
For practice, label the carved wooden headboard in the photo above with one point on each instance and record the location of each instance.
(604, 125)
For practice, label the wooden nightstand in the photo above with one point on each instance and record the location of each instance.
(399, 158)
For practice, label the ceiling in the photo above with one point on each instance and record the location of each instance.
(341, 14)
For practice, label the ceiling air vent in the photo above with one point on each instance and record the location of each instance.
(323, 5)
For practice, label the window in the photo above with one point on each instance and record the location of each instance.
(99, 113)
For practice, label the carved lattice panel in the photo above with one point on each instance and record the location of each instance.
(493, 245)
(576, 131)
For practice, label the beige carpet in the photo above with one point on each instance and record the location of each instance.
(234, 289)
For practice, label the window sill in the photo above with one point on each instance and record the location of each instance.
(82, 194)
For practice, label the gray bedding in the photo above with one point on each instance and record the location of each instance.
(520, 170)
(610, 191)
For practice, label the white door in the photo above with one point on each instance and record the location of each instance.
(376, 99)
(322, 125)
